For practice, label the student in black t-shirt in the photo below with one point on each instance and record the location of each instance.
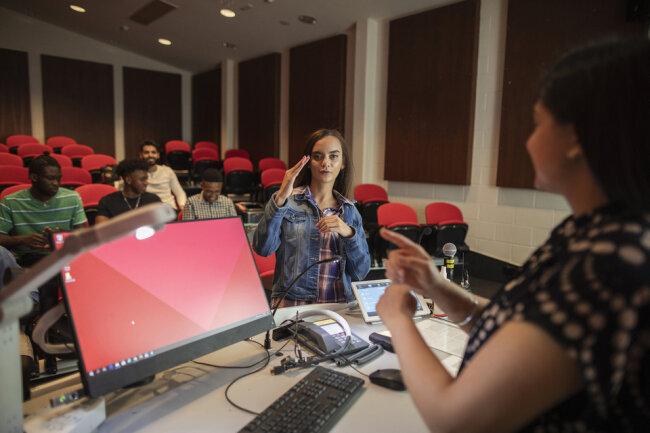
(134, 175)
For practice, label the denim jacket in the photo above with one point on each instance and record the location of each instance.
(291, 232)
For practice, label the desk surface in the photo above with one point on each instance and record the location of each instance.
(191, 397)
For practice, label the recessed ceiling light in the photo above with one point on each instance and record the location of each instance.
(227, 13)
(164, 41)
(77, 9)
(284, 23)
(307, 19)
(229, 45)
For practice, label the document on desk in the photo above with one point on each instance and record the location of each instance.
(446, 340)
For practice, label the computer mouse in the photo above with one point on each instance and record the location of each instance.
(390, 378)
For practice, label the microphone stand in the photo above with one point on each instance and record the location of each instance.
(267, 339)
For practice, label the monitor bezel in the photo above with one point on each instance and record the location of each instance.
(98, 385)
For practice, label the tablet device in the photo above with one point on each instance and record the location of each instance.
(369, 292)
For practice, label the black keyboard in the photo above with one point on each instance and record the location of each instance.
(314, 404)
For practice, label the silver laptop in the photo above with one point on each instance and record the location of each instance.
(369, 292)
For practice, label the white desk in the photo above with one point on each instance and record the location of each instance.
(191, 397)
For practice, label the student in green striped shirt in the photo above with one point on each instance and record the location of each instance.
(28, 216)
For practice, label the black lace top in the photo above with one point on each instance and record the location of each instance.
(588, 286)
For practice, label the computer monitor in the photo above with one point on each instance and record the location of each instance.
(139, 307)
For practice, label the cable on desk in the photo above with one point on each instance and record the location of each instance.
(268, 358)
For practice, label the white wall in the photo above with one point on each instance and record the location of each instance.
(505, 223)
(23, 33)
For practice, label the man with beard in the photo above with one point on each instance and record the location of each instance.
(162, 179)
(28, 216)
(134, 174)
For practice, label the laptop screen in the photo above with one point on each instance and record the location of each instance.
(142, 306)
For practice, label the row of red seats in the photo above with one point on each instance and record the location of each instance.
(55, 143)
(444, 221)
(72, 177)
(89, 162)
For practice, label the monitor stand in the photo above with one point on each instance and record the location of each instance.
(147, 380)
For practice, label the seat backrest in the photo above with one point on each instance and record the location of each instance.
(272, 176)
(264, 264)
(205, 153)
(440, 211)
(177, 145)
(92, 193)
(390, 213)
(268, 163)
(14, 188)
(13, 174)
(97, 161)
(63, 160)
(237, 153)
(77, 150)
(366, 191)
(10, 159)
(33, 149)
(237, 163)
(4, 148)
(75, 176)
(206, 145)
(59, 141)
(16, 139)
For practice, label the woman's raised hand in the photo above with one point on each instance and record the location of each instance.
(410, 265)
(287, 183)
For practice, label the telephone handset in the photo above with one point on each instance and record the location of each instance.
(326, 336)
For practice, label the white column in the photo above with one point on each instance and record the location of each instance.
(118, 111)
(228, 105)
(36, 96)
(369, 108)
(186, 107)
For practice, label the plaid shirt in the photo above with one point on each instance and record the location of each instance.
(197, 208)
(330, 286)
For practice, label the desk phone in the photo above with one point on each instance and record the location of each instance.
(325, 336)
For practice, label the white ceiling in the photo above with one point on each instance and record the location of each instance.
(198, 31)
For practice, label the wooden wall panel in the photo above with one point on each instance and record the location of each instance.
(430, 95)
(78, 102)
(539, 33)
(259, 107)
(152, 108)
(316, 90)
(206, 106)
(15, 112)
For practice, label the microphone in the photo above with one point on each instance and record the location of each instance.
(449, 251)
(267, 339)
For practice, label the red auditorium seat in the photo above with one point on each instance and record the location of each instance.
(90, 196)
(13, 141)
(11, 159)
(76, 152)
(206, 145)
(267, 163)
(58, 142)
(14, 188)
(238, 176)
(237, 153)
(13, 175)
(94, 164)
(74, 177)
(271, 181)
(64, 161)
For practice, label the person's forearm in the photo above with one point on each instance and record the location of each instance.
(425, 377)
(459, 304)
(10, 241)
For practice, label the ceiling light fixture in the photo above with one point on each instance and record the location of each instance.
(227, 13)
(164, 41)
(307, 19)
(229, 45)
(77, 9)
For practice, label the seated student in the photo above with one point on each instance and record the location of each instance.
(162, 179)
(565, 345)
(133, 195)
(313, 222)
(209, 203)
(28, 216)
